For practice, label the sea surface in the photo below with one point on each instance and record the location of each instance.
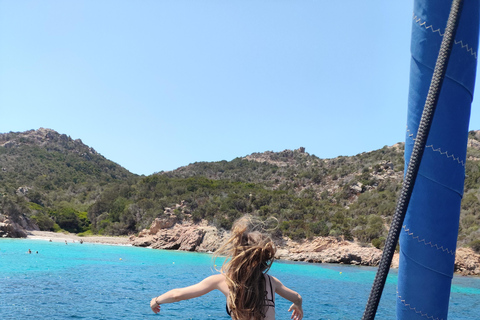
(93, 281)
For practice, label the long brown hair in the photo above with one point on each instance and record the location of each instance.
(250, 253)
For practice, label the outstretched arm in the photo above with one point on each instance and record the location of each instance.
(292, 296)
(197, 290)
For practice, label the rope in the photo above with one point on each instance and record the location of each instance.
(415, 160)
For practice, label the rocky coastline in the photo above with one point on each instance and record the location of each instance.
(171, 233)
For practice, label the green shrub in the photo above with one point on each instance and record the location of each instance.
(85, 234)
(68, 220)
(475, 245)
(378, 243)
(43, 221)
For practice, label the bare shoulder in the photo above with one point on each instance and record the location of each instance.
(217, 278)
(275, 281)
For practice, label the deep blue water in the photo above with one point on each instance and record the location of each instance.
(91, 281)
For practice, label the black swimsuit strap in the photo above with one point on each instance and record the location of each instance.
(271, 291)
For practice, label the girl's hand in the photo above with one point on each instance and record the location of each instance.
(297, 313)
(154, 305)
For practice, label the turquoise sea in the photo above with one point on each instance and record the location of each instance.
(92, 281)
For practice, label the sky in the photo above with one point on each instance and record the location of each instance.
(154, 85)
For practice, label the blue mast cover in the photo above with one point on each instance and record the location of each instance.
(429, 236)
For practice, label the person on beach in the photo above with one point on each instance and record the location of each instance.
(243, 279)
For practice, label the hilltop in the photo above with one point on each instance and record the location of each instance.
(28, 156)
(340, 179)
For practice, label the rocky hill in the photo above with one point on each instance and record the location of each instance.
(46, 176)
(338, 179)
(52, 182)
(26, 156)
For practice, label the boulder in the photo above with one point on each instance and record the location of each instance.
(11, 229)
(22, 191)
(329, 250)
(212, 239)
(180, 237)
(467, 262)
(172, 234)
(159, 224)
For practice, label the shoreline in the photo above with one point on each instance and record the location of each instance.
(72, 237)
(467, 263)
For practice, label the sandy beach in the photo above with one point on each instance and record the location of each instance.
(71, 237)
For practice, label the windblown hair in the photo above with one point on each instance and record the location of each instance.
(250, 253)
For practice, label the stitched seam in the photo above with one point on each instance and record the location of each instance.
(452, 252)
(424, 24)
(439, 150)
(446, 153)
(460, 42)
(415, 309)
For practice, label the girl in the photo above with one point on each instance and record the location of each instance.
(248, 289)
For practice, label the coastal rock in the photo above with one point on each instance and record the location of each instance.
(169, 233)
(467, 262)
(15, 228)
(146, 237)
(395, 261)
(180, 237)
(159, 224)
(212, 239)
(353, 254)
(11, 229)
(142, 241)
(331, 250)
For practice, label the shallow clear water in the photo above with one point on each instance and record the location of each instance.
(91, 281)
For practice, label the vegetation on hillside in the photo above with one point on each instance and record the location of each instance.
(61, 184)
(53, 179)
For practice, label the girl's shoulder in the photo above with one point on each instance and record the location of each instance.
(220, 277)
(274, 281)
(219, 282)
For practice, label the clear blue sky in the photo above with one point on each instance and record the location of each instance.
(154, 85)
